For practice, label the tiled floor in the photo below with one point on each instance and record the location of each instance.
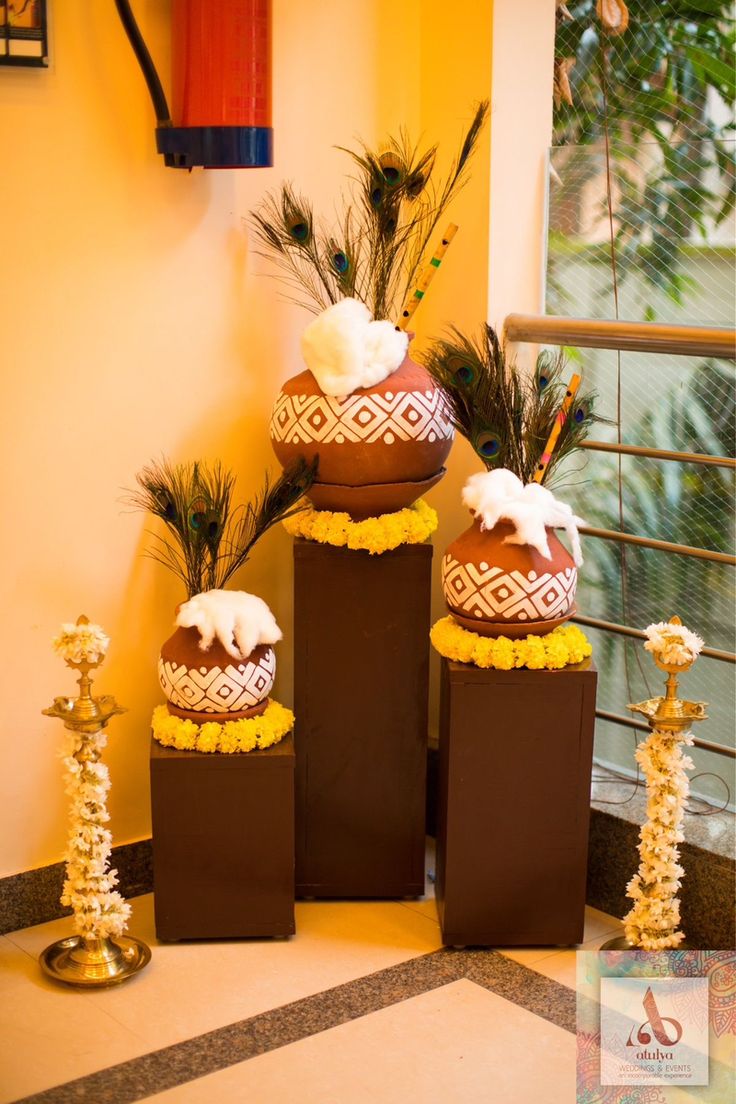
(451, 1043)
(457, 1043)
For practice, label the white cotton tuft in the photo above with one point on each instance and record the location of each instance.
(238, 620)
(345, 350)
(500, 495)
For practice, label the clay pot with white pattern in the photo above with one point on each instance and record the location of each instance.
(380, 448)
(212, 685)
(499, 589)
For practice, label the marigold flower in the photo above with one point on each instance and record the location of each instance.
(228, 738)
(412, 525)
(564, 645)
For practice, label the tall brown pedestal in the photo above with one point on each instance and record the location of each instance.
(223, 842)
(516, 751)
(361, 666)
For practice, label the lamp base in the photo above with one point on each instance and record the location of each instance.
(621, 943)
(94, 962)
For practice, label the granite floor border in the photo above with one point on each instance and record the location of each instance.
(708, 885)
(32, 897)
(226, 1046)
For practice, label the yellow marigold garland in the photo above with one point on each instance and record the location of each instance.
(247, 734)
(375, 535)
(564, 645)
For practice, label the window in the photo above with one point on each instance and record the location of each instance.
(650, 124)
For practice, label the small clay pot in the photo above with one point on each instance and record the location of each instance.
(396, 432)
(507, 589)
(213, 685)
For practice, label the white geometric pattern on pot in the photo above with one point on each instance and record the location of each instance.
(404, 416)
(497, 595)
(212, 690)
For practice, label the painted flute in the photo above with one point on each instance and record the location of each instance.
(562, 416)
(426, 278)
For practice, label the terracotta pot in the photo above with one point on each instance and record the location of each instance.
(379, 448)
(499, 589)
(212, 685)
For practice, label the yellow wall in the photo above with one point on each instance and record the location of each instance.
(135, 323)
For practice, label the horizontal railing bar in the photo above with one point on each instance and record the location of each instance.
(629, 722)
(659, 545)
(626, 630)
(642, 337)
(660, 454)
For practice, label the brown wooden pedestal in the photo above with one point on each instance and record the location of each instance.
(223, 842)
(516, 751)
(361, 666)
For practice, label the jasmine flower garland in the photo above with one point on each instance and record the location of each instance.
(412, 525)
(564, 645)
(673, 643)
(77, 643)
(653, 921)
(89, 887)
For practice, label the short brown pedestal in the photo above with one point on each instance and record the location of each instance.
(223, 842)
(361, 666)
(516, 751)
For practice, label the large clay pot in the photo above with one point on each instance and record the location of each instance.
(380, 448)
(212, 685)
(498, 589)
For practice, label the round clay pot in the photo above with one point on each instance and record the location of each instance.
(507, 589)
(392, 434)
(212, 685)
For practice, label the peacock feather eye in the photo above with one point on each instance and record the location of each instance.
(415, 184)
(392, 167)
(463, 372)
(581, 412)
(299, 231)
(376, 196)
(166, 506)
(197, 514)
(340, 262)
(488, 445)
(543, 381)
(213, 525)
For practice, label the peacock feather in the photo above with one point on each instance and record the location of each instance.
(506, 417)
(206, 539)
(389, 215)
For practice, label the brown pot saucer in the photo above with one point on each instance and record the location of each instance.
(370, 499)
(512, 629)
(219, 718)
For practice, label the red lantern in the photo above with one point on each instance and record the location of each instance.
(221, 76)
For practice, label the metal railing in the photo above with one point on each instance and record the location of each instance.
(659, 545)
(647, 337)
(641, 337)
(629, 722)
(660, 454)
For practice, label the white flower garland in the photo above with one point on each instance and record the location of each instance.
(81, 643)
(89, 887)
(99, 910)
(653, 921)
(673, 643)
